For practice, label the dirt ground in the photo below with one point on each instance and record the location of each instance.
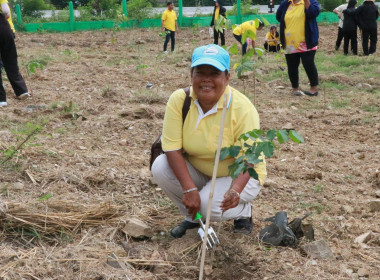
(64, 202)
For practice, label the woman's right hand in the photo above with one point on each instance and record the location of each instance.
(192, 202)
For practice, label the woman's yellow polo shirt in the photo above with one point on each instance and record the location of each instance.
(199, 135)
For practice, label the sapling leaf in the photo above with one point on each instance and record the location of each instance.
(249, 54)
(236, 171)
(231, 151)
(267, 148)
(243, 137)
(46, 197)
(282, 136)
(266, 22)
(260, 52)
(252, 172)
(248, 34)
(296, 137)
(224, 152)
(271, 134)
(234, 49)
(252, 159)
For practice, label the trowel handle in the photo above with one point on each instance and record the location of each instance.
(199, 218)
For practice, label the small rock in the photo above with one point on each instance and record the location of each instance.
(362, 272)
(293, 108)
(18, 186)
(347, 209)
(149, 85)
(288, 126)
(208, 270)
(364, 238)
(318, 250)
(82, 148)
(270, 183)
(136, 228)
(377, 194)
(367, 86)
(144, 173)
(313, 176)
(374, 205)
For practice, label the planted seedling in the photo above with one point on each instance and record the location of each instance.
(255, 144)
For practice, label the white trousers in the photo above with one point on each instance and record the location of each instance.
(164, 177)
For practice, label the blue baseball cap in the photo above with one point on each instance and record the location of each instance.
(213, 55)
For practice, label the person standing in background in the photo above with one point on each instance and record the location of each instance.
(339, 11)
(367, 15)
(350, 28)
(299, 37)
(169, 25)
(219, 10)
(8, 55)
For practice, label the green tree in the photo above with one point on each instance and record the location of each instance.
(139, 9)
(34, 7)
(108, 7)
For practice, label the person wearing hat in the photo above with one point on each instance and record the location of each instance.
(272, 40)
(299, 37)
(8, 55)
(169, 25)
(184, 172)
(239, 31)
(219, 10)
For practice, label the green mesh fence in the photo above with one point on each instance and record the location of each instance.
(328, 17)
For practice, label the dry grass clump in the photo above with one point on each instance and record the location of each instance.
(53, 217)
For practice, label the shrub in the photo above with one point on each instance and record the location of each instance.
(139, 9)
(330, 5)
(34, 7)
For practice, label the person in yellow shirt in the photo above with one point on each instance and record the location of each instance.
(219, 10)
(272, 40)
(299, 37)
(8, 54)
(242, 28)
(169, 25)
(184, 172)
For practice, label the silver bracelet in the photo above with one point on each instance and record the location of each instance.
(190, 190)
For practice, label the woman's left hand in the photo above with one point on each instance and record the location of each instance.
(231, 200)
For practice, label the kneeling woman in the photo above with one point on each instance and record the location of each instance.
(184, 171)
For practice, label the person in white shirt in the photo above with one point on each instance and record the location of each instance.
(339, 11)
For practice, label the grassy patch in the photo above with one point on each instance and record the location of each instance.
(331, 84)
(371, 108)
(341, 103)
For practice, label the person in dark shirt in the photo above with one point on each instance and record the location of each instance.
(350, 28)
(367, 14)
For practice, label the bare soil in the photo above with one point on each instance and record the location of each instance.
(64, 202)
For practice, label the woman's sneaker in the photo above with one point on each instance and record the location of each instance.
(24, 96)
(3, 104)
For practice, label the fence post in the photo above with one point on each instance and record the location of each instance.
(71, 13)
(180, 6)
(18, 12)
(124, 3)
(238, 6)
